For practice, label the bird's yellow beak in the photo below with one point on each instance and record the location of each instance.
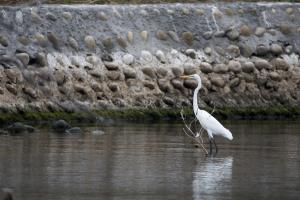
(185, 77)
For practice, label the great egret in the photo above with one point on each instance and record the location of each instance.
(207, 121)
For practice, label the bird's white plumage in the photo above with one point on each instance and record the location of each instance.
(212, 125)
(207, 121)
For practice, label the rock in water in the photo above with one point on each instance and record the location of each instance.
(19, 127)
(60, 126)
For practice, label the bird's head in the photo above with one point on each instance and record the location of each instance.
(193, 76)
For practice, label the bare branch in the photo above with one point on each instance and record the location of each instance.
(197, 137)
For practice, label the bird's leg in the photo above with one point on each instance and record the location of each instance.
(215, 145)
(210, 147)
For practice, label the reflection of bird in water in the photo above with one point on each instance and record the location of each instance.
(211, 176)
(207, 121)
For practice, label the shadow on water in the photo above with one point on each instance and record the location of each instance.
(152, 161)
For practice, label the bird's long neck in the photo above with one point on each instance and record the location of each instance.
(195, 99)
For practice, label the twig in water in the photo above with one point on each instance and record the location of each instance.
(188, 131)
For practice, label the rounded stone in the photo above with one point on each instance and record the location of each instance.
(275, 76)
(245, 31)
(149, 72)
(96, 87)
(207, 35)
(276, 49)
(188, 38)
(219, 33)
(23, 57)
(113, 87)
(108, 43)
(12, 88)
(128, 59)
(217, 13)
(262, 50)
(50, 16)
(143, 12)
(285, 29)
(177, 71)
(234, 82)
(17, 127)
(220, 68)
(233, 34)
(191, 53)
(177, 84)
(189, 68)
(144, 35)
(60, 126)
(41, 59)
(199, 11)
(102, 16)
(280, 64)
(205, 67)
(146, 56)
(116, 13)
(73, 43)
(248, 67)
(129, 73)
(161, 72)
(173, 35)
(35, 17)
(30, 92)
(207, 50)
(111, 65)
(4, 41)
(185, 11)
(289, 10)
(234, 50)
(67, 15)
(41, 39)
(288, 49)
(161, 35)
(217, 81)
(272, 32)
(24, 40)
(169, 101)
(260, 31)
(85, 14)
(130, 37)
(113, 75)
(14, 75)
(122, 41)
(262, 64)
(246, 50)
(190, 84)
(149, 84)
(161, 56)
(52, 37)
(90, 42)
(234, 66)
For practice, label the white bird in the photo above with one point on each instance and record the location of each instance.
(207, 121)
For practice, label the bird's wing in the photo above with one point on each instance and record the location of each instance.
(210, 123)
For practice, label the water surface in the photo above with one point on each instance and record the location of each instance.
(153, 161)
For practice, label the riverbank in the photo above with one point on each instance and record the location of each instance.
(138, 114)
(67, 60)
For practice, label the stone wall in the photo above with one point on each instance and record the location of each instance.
(58, 57)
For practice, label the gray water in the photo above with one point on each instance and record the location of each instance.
(153, 161)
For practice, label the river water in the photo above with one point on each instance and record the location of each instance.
(153, 161)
